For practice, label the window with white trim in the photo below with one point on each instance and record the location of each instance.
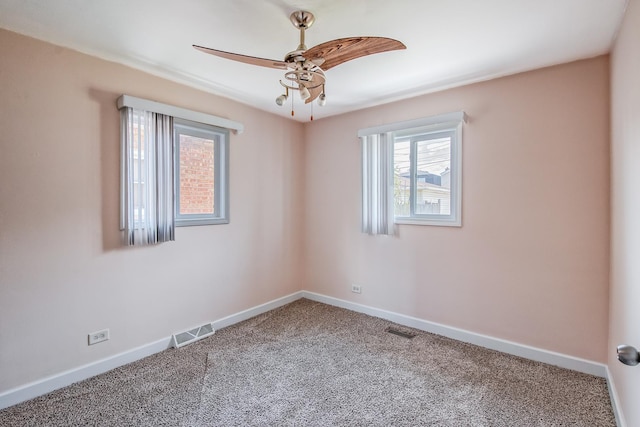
(174, 169)
(426, 175)
(412, 173)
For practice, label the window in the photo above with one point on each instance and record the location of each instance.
(412, 173)
(426, 175)
(201, 173)
(174, 169)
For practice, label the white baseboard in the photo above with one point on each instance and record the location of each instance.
(615, 403)
(252, 312)
(516, 349)
(46, 385)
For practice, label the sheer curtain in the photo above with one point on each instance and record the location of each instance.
(147, 177)
(377, 183)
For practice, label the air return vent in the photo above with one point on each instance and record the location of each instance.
(400, 333)
(192, 335)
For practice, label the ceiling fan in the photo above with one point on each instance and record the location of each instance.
(305, 67)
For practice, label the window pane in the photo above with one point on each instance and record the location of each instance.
(196, 175)
(138, 165)
(433, 177)
(138, 203)
(401, 177)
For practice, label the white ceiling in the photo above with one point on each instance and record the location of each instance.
(449, 42)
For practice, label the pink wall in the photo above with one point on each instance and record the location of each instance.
(530, 263)
(63, 272)
(625, 210)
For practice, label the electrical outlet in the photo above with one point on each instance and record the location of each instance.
(357, 289)
(98, 336)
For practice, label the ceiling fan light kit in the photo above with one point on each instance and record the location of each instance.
(322, 99)
(282, 98)
(306, 67)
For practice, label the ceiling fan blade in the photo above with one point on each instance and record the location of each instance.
(269, 63)
(314, 92)
(335, 52)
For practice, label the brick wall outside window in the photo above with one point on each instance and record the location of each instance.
(196, 175)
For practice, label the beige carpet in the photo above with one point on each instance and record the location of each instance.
(309, 364)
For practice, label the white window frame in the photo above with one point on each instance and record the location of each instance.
(450, 124)
(220, 139)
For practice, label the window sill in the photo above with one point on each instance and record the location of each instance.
(432, 222)
(201, 221)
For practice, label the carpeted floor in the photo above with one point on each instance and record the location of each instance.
(310, 364)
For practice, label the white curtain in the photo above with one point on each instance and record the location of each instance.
(147, 187)
(377, 183)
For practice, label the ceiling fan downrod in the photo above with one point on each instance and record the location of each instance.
(302, 20)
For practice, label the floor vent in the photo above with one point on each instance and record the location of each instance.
(192, 335)
(400, 333)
